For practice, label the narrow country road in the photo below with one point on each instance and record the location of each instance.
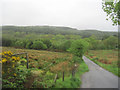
(98, 77)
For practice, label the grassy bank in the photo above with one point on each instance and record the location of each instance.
(108, 59)
(73, 82)
(43, 66)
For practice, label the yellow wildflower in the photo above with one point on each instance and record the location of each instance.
(0, 61)
(15, 74)
(4, 60)
(10, 53)
(14, 58)
(18, 58)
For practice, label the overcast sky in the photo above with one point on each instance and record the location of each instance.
(80, 14)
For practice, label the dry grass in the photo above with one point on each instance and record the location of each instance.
(108, 59)
(41, 59)
(104, 56)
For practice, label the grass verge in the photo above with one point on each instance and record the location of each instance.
(73, 82)
(111, 68)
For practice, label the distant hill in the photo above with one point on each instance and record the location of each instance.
(56, 30)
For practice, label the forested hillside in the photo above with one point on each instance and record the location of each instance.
(55, 38)
(25, 30)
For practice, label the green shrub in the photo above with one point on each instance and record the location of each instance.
(111, 42)
(38, 45)
(76, 59)
(47, 42)
(20, 44)
(29, 45)
(65, 46)
(79, 47)
(54, 46)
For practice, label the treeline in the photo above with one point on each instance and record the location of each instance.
(55, 38)
(40, 44)
(60, 43)
(25, 31)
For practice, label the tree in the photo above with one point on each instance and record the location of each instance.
(92, 41)
(112, 8)
(79, 47)
(47, 42)
(65, 45)
(38, 45)
(19, 43)
(6, 42)
(111, 42)
(29, 44)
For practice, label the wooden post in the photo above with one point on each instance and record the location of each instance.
(72, 73)
(63, 75)
(74, 70)
(55, 78)
(27, 60)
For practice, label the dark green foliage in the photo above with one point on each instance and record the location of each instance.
(6, 42)
(108, 43)
(111, 42)
(100, 45)
(36, 32)
(47, 42)
(65, 45)
(92, 41)
(29, 45)
(20, 44)
(38, 45)
(56, 38)
(77, 59)
(79, 47)
(53, 47)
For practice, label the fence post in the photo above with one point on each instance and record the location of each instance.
(72, 73)
(74, 70)
(63, 75)
(55, 78)
(27, 60)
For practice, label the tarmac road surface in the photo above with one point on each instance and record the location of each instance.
(98, 77)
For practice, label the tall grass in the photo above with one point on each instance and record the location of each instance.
(73, 82)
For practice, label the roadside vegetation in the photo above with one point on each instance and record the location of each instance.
(108, 59)
(55, 55)
(43, 67)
